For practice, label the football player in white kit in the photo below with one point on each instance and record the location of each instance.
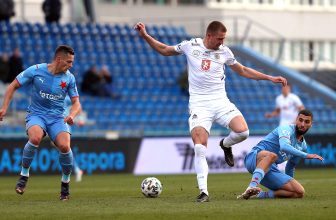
(208, 101)
(287, 107)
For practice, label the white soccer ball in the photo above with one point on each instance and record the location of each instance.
(151, 187)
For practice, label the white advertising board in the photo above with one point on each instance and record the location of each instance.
(176, 156)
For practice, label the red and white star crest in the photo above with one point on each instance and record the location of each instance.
(63, 84)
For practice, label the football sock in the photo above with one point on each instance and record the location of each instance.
(201, 168)
(257, 176)
(266, 195)
(27, 157)
(235, 138)
(66, 161)
(76, 167)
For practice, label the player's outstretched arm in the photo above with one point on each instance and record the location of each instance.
(314, 156)
(8, 97)
(254, 74)
(155, 44)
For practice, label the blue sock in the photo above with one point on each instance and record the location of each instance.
(258, 175)
(266, 195)
(27, 157)
(66, 161)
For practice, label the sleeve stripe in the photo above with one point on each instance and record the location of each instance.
(284, 137)
(18, 81)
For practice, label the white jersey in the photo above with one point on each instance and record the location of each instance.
(288, 108)
(205, 69)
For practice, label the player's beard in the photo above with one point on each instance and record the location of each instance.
(300, 132)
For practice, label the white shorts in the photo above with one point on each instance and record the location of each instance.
(203, 114)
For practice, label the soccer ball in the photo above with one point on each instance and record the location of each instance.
(151, 187)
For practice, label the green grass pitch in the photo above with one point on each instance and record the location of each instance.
(119, 197)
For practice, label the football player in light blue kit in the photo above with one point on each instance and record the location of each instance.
(50, 84)
(285, 143)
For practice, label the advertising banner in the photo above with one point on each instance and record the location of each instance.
(176, 155)
(91, 155)
(323, 145)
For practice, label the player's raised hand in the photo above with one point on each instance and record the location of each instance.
(279, 79)
(2, 114)
(69, 120)
(314, 156)
(141, 28)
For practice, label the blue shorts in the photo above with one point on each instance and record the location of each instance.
(51, 126)
(274, 179)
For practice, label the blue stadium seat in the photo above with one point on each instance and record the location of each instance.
(150, 97)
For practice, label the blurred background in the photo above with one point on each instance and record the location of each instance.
(141, 96)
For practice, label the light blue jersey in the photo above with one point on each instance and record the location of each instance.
(48, 90)
(282, 141)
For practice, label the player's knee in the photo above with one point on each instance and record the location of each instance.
(272, 156)
(63, 148)
(199, 136)
(300, 193)
(35, 140)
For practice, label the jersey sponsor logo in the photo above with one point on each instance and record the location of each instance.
(50, 96)
(284, 155)
(63, 84)
(206, 64)
(206, 54)
(196, 53)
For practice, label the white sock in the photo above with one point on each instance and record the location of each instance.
(201, 168)
(235, 138)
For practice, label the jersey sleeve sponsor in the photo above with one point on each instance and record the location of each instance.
(181, 47)
(230, 59)
(72, 89)
(285, 131)
(26, 76)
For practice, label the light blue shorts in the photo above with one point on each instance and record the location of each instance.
(51, 126)
(274, 179)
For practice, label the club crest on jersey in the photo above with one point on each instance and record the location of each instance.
(63, 84)
(206, 64)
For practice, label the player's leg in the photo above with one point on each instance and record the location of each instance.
(62, 142)
(78, 172)
(35, 135)
(281, 185)
(59, 132)
(229, 116)
(292, 189)
(199, 123)
(257, 163)
(200, 136)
